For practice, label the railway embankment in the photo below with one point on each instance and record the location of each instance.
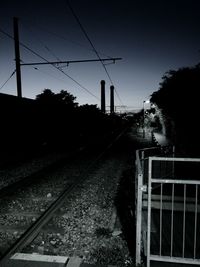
(96, 222)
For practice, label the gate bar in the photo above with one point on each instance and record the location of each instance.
(149, 213)
(172, 221)
(195, 222)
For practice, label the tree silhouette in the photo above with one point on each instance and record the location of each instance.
(57, 117)
(178, 98)
(66, 98)
(62, 98)
(178, 92)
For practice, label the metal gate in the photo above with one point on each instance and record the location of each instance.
(168, 208)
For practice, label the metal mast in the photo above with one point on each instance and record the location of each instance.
(19, 64)
(17, 57)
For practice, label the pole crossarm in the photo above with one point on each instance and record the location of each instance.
(70, 61)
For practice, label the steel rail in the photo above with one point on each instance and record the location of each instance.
(28, 236)
(35, 228)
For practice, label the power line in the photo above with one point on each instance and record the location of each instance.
(59, 69)
(8, 79)
(87, 37)
(65, 39)
(93, 47)
(64, 82)
(51, 52)
(75, 61)
(41, 42)
(78, 83)
(23, 45)
(35, 53)
(7, 34)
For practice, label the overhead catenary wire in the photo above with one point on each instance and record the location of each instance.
(59, 61)
(46, 73)
(88, 38)
(41, 42)
(59, 69)
(92, 45)
(41, 57)
(67, 40)
(1, 87)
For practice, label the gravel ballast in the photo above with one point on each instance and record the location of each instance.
(88, 220)
(87, 225)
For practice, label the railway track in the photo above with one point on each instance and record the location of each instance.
(30, 206)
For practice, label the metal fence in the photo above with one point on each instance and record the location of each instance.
(167, 208)
(141, 180)
(140, 187)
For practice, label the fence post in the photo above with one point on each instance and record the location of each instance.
(173, 155)
(149, 212)
(139, 218)
(142, 160)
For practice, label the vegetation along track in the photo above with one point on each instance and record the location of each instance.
(25, 212)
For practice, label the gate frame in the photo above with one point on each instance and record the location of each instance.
(140, 188)
(152, 180)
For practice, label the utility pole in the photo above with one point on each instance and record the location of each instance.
(17, 57)
(18, 63)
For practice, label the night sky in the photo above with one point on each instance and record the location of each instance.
(151, 37)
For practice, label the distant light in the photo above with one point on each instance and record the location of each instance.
(147, 101)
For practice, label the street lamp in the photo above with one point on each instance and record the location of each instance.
(144, 102)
